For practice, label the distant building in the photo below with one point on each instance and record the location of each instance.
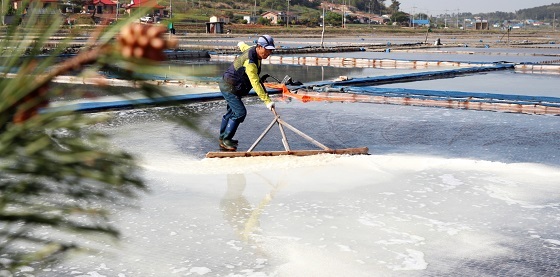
(362, 19)
(276, 17)
(219, 19)
(420, 23)
(103, 9)
(156, 10)
(481, 24)
(379, 19)
(214, 27)
(273, 17)
(251, 19)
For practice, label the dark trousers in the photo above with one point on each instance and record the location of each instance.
(235, 114)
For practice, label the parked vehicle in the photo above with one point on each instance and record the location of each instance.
(147, 19)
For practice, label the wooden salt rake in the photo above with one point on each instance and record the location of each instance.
(281, 124)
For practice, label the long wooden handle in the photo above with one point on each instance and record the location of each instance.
(284, 138)
(303, 135)
(262, 135)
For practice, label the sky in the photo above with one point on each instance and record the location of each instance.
(435, 7)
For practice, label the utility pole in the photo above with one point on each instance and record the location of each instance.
(508, 30)
(458, 19)
(343, 14)
(369, 15)
(412, 22)
(288, 16)
(323, 32)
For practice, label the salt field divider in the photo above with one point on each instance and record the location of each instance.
(102, 106)
(90, 107)
(356, 62)
(353, 88)
(462, 100)
(548, 67)
(417, 76)
(544, 66)
(551, 66)
(427, 98)
(445, 95)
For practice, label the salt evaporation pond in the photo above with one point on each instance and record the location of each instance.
(444, 192)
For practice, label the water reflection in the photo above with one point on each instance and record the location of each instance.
(241, 215)
(237, 210)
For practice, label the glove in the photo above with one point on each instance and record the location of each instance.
(264, 77)
(270, 105)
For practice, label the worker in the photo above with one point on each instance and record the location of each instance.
(171, 28)
(237, 81)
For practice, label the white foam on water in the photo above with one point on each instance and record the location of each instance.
(551, 243)
(400, 238)
(411, 260)
(451, 228)
(200, 270)
(185, 165)
(345, 248)
(306, 260)
(450, 182)
(375, 214)
(92, 274)
(527, 185)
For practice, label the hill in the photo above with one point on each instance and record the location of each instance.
(191, 17)
(199, 11)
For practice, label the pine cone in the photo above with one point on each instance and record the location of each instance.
(144, 41)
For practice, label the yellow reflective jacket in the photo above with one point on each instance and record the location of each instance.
(243, 74)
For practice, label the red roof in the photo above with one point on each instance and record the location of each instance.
(146, 3)
(104, 2)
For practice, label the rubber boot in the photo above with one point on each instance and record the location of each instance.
(223, 127)
(223, 131)
(229, 132)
